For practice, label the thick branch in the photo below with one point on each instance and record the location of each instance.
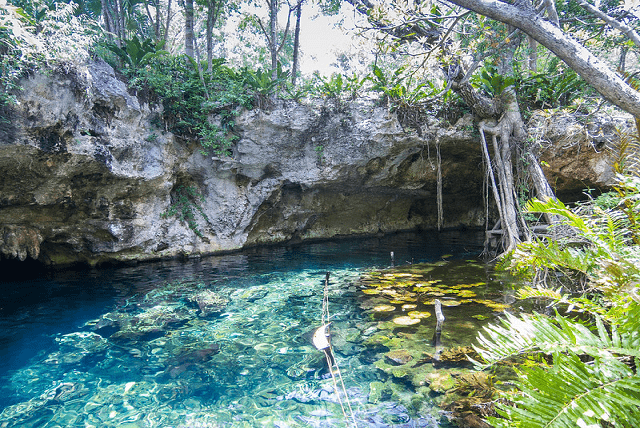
(483, 107)
(588, 66)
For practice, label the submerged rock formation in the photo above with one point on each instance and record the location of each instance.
(90, 175)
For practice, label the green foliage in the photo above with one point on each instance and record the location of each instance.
(260, 81)
(490, 81)
(592, 379)
(262, 84)
(555, 87)
(320, 154)
(599, 247)
(397, 88)
(185, 203)
(570, 392)
(591, 395)
(304, 88)
(339, 87)
(136, 53)
(189, 106)
(42, 35)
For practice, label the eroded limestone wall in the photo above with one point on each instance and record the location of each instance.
(87, 175)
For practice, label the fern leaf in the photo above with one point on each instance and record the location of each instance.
(538, 333)
(572, 393)
(540, 292)
(555, 206)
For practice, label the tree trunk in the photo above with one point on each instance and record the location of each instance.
(158, 20)
(501, 130)
(273, 31)
(109, 21)
(167, 26)
(120, 19)
(296, 44)
(188, 28)
(533, 56)
(622, 63)
(211, 21)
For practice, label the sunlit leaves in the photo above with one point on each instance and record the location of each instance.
(596, 246)
(573, 393)
(592, 379)
(61, 38)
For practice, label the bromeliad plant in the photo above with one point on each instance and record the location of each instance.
(581, 362)
(137, 53)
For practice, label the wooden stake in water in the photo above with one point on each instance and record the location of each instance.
(438, 331)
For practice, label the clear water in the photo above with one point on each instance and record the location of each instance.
(137, 347)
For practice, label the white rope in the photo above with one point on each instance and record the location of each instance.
(330, 356)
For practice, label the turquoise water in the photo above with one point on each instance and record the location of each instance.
(213, 342)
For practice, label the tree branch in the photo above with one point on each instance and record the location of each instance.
(588, 66)
(623, 28)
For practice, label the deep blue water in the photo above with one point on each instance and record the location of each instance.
(62, 364)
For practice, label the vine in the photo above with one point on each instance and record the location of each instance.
(184, 205)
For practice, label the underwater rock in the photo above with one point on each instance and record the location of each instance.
(87, 342)
(75, 347)
(454, 357)
(399, 356)
(65, 392)
(384, 308)
(155, 319)
(406, 321)
(440, 381)
(379, 391)
(471, 421)
(250, 294)
(303, 395)
(419, 314)
(209, 302)
(471, 400)
(191, 357)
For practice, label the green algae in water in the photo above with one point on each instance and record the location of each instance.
(470, 299)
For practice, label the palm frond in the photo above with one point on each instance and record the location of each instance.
(572, 393)
(528, 334)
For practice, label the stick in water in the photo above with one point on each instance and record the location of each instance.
(437, 333)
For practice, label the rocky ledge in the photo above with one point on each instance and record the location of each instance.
(90, 175)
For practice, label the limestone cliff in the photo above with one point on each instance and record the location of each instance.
(89, 174)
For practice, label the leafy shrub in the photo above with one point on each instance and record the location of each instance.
(594, 348)
(136, 53)
(339, 87)
(490, 81)
(191, 101)
(261, 83)
(61, 39)
(398, 89)
(555, 87)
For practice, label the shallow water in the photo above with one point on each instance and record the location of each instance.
(217, 342)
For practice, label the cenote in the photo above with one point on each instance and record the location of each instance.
(225, 341)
